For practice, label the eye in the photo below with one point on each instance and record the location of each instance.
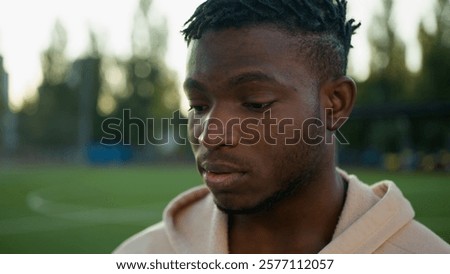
(258, 106)
(198, 109)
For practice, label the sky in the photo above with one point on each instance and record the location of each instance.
(25, 27)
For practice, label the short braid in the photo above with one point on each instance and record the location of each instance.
(315, 18)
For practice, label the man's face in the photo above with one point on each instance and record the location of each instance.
(252, 99)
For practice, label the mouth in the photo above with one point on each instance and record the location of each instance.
(220, 176)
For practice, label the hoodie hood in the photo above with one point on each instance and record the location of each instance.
(370, 216)
(195, 225)
(374, 219)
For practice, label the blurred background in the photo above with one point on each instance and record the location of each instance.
(67, 66)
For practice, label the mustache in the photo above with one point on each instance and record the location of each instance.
(221, 157)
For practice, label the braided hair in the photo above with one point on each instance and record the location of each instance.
(324, 34)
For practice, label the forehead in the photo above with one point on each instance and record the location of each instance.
(262, 35)
(267, 49)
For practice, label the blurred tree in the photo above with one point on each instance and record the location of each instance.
(398, 110)
(389, 75)
(433, 81)
(75, 98)
(139, 91)
(151, 91)
(2, 91)
(385, 85)
(3, 103)
(432, 84)
(51, 120)
(85, 79)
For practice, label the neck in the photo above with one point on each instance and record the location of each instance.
(301, 223)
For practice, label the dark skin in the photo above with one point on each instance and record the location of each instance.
(241, 74)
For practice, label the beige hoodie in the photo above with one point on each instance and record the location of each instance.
(375, 219)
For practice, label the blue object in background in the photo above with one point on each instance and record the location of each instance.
(103, 154)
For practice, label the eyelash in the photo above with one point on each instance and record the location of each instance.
(257, 107)
(198, 109)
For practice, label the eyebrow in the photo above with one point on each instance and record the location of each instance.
(240, 79)
(250, 77)
(192, 84)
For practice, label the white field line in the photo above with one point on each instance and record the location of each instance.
(66, 216)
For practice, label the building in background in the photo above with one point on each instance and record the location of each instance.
(8, 120)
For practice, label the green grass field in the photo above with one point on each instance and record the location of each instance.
(91, 210)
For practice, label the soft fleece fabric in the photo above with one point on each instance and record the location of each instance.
(376, 219)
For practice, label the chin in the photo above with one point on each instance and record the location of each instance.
(244, 209)
(237, 207)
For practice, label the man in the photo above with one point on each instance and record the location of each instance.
(268, 92)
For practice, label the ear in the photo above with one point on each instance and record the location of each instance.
(338, 98)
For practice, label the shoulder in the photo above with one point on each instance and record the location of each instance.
(379, 219)
(415, 238)
(163, 237)
(154, 239)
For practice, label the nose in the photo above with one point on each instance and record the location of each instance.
(219, 128)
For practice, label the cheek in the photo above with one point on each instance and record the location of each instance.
(194, 129)
(289, 133)
(267, 161)
(313, 132)
(289, 157)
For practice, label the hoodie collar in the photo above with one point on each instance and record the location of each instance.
(195, 225)
(369, 217)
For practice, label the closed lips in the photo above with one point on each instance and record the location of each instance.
(220, 168)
